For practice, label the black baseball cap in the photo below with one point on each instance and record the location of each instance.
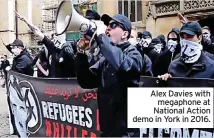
(91, 14)
(17, 42)
(121, 19)
(191, 28)
(146, 33)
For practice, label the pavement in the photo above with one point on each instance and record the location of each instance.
(4, 116)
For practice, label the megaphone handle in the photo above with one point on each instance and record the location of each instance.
(92, 38)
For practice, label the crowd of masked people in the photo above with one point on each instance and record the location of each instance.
(122, 55)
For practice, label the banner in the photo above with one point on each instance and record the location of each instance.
(51, 107)
(61, 108)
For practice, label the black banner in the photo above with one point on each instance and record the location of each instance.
(52, 107)
(60, 108)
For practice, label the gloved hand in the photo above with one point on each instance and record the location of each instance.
(82, 45)
(101, 27)
(61, 59)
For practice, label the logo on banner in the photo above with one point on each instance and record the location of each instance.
(25, 106)
(59, 41)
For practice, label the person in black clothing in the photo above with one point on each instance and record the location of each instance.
(163, 41)
(5, 63)
(42, 64)
(145, 38)
(60, 56)
(153, 50)
(147, 66)
(22, 62)
(41, 61)
(207, 40)
(193, 62)
(165, 58)
(60, 53)
(118, 68)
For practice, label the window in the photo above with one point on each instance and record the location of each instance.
(131, 8)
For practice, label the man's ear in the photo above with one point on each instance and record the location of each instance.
(125, 34)
(199, 38)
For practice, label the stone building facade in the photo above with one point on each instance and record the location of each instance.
(162, 14)
(12, 28)
(156, 16)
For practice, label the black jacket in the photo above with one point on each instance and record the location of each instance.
(161, 65)
(23, 63)
(147, 67)
(151, 53)
(42, 56)
(64, 68)
(203, 68)
(147, 63)
(4, 64)
(118, 69)
(208, 45)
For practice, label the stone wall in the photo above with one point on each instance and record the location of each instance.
(31, 10)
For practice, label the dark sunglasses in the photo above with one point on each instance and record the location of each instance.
(113, 25)
(173, 39)
(205, 33)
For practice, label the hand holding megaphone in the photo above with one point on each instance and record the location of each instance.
(101, 27)
(85, 43)
(82, 45)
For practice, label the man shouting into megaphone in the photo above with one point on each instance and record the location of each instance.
(118, 68)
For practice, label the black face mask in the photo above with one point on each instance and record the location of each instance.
(173, 39)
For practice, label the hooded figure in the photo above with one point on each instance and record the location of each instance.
(60, 56)
(145, 39)
(152, 51)
(147, 66)
(163, 41)
(207, 40)
(165, 58)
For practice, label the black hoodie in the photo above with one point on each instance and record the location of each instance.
(150, 52)
(160, 67)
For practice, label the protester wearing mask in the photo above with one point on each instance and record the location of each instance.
(147, 66)
(145, 39)
(152, 51)
(60, 52)
(118, 69)
(22, 62)
(207, 49)
(208, 40)
(192, 62)
(60, 55)
(165, 58)
(163, 42)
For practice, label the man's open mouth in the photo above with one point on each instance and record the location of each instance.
(108, 34)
